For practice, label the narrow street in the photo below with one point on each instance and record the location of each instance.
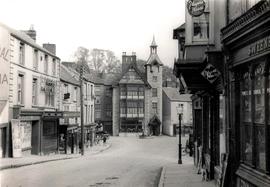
(129, 162)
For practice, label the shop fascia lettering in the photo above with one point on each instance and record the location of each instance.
(259, 46)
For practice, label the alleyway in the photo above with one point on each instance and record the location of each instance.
(129, 162)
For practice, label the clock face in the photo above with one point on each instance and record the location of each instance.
(196, 7)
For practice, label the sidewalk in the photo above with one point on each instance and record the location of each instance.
(184, 175)
(7, 163)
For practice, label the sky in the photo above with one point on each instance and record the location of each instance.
(116, 25)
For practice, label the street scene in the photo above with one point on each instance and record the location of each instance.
(135, 93)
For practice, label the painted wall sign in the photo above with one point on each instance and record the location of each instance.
(196, 7)
(16, 138)
(210, 73)
(4, 62)
(259, 46)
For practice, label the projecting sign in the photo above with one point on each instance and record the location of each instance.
(210, 73)
(4, 63)
(195, 7)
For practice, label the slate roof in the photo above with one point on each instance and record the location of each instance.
(174, 95)
(27, 39)
(67, 76)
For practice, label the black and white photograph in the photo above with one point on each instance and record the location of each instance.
(135, 93)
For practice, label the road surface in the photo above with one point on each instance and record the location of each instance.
(129, 162)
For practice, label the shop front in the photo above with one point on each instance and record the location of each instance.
(204, 79)
(247, 47)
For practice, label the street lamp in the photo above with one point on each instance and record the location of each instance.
(180, 112)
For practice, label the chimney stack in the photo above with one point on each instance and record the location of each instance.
(50, 47)
(31, 32)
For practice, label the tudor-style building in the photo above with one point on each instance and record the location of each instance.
(137, 96)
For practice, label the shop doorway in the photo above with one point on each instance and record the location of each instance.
(35, 138)
(3, 136)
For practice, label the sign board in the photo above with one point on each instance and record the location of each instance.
(210, 73)
(16, 138)
(195, 7)
(4, 62)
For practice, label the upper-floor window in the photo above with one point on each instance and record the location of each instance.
(97, 90)
(54, 67)
(34, 91)
(49, 94)
(201, 25)
(108, 92)
(97, 100)
(154, 107)
(154, 78)
(92, 91)
(154, 92)
(21, 53)
(20, 88)
(46, 64)
(75, 94)
(35, 59)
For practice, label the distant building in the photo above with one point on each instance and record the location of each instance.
(70, 106)
(137, 96)
(173, 102)
(29, 95)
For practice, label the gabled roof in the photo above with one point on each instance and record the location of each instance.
(174, 95)
(134, 66)
(67, 76)
(27, 39)
(154, 60)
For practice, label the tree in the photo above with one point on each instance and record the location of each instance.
(82, 58)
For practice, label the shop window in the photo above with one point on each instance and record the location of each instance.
(49, 128)
(253, 117)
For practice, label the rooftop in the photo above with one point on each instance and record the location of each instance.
(174, 95)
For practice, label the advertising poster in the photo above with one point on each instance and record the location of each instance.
(16, 138)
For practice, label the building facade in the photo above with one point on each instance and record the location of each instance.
(137, 96)
(33, 95)
(200, 69)
(246, 40)
(70, 106)
(173, 104)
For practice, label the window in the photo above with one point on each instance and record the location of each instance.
(92, 113)
(108, 92)
(252, 94)
(97, 90)
(92, 91)
(123, 108)
(132, 108)
(50, 128)
(21, 53)
(154, 107)
(141, 91)
(154, 92)
(49, 93)
(75, 94)
(34, 91)
(54, 67)
(97, 114)
(201, 25)
(35, 59)
(123, 91)
(140, 107)
(20, 89)
(97, 101)
(154, 78)
(46, 64)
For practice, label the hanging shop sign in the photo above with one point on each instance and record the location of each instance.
(210, 73)
(195, 7)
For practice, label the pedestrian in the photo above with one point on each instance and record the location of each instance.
(200, 157)
(104, 139)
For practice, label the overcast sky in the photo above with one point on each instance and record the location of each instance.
(117, 25)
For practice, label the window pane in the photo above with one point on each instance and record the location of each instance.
(246, 97)
(201, 27)
(260, 148)
(259, 94)
(247, 144)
